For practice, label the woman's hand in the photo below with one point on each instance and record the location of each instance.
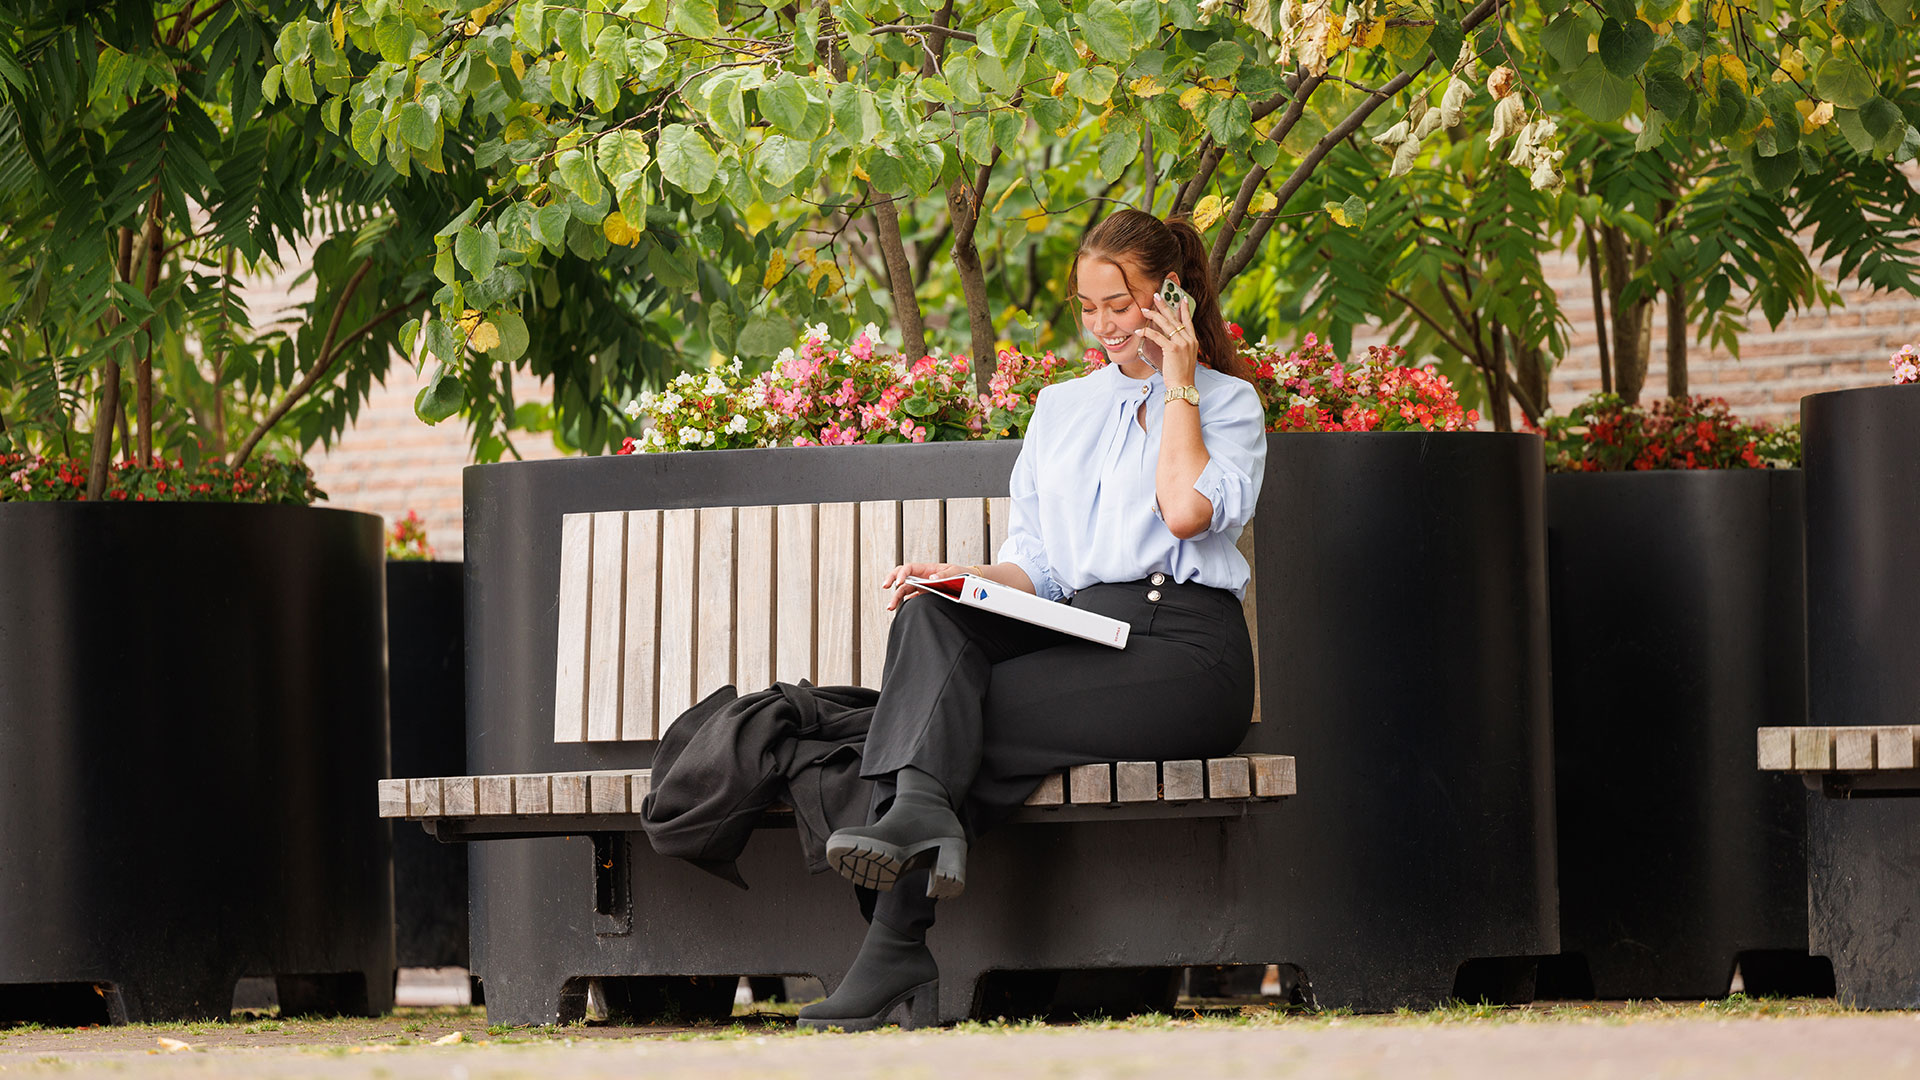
(1179, 345)
(896, 579)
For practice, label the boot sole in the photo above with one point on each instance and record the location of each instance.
(876, 864)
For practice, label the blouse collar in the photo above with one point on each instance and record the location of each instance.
(1126, 386)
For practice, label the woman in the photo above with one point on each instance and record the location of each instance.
(1132, 486)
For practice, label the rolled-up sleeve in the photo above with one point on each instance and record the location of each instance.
(1235, 433)
(1023, 546)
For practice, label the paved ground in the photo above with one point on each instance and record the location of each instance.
(1743, 1039)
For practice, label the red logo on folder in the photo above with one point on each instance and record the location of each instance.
(979, 593)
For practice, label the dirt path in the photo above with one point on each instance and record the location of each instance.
(1578, 1042)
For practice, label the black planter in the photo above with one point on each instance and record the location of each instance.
(426, 705)
(1401, 586)
(1678, 629)
(192, 719)
(1862, 454)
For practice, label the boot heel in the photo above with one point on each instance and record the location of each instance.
(949, 878)
(923, 1006)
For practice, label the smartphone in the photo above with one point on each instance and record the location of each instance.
(1171, 294)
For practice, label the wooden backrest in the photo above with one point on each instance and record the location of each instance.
(659, 608)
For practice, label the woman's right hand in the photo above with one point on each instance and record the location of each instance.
(896, 579)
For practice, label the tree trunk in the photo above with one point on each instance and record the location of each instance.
(1599, 310)
(1502, 393)
(1676, 341)
(103, 417)
(900, 280)
(1631, 327)
(963, 205)
(143, 367)
(1532, 380)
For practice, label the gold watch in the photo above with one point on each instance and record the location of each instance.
(1188, 394)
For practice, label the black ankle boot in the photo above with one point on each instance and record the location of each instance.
(919, 829)
(893, 980)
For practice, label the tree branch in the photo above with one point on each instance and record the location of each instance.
(324, 361)
(1250, 184)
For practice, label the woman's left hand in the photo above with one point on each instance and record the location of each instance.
(1179, 345)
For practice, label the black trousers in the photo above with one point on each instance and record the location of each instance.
(990, 706)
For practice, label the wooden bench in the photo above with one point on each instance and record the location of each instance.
(1842, 761)
(545, 804)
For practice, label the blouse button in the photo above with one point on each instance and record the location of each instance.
(1153, 596)
(1158, 579)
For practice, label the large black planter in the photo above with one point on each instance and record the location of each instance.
(1678, 629)
(192, 720)
(1862, 454)
(1401, 584)
(426, 698)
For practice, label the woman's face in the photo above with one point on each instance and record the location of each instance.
(1109, 312)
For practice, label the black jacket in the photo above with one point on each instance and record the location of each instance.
(722, 763)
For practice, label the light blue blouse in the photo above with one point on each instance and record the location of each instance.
(1083, 501)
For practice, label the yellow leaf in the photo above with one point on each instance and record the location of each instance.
(1722, 13)
(339, 26)
(1372, 33)
(1206, 212)
(805, 256)
(467, 321)
(1339, 215)
(1263, 202)
(1083, 50)
(861, 173)
(1036, 220)
(1011, 188)
(618, 231)
(1059, 84)
(825, 270)
(1724, 65)
(1191, 99)
(776, 269)
(1146, 86)
(519, 65)
(1814, 116)
(484, 337)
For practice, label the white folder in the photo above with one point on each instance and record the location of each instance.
(975, 591)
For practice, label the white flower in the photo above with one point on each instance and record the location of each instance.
(786, 355)
(706, 437)
(738, 425)
(669, 401)
(632, 409)
(714, 387)
(735, 366)
(817, 332)
(689, 437)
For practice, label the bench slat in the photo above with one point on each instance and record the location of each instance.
(570, 663)
(1853, 748)
(640, 636)
(1818, 748)
(753, 599)
(839, 550)
(496, 794)
(679, 580)
(533, 794)
(393, 798)
(1250, 611)
(879, 553)
(423, 797)
(606, 621)
(1229, 778)
(1776, 748)
(460, 795)
(1273, 775)
(1051, 792)
(1090, 784)
(1893, 747)
(796, 567)
(967, 532)
(569, 793)
(999, 513)
(1182, 781)
(1813, 748)
(1136, 781)
(713, 654)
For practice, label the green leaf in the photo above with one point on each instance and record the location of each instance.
(1841, 80)
(1669, 93)
(443, 266)
(696, 18)
(784, 104)
(1565, 40)
(1729, 109)
(1107, 31)
(976, 140)
(299, 84)
(1118, 150)
(670, 268)
(854, 113)
(477, 249)
(416, 127)
(550, 225)
(1447, 37)
(598, 83)
(780, 159)
(270, 83)
(460, 219)
(513, 337)
(440, 398)
(1881, 117)
(1222, 59)
(577, 172)
(393, 36)
(1776, 172)
(764, 335)
(1598, 92)
(365, 136)
(1092, 85)
(686, 160)
(1008, 125)
(622, 153)
(1909, 146)
(1624, 47)
(920, 406)
(570, 33)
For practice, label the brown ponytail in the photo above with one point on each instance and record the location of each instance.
(1157, 248)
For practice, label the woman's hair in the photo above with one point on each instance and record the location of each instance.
(1137, 239)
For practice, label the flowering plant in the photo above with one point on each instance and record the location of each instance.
(719, 410)
(1017, 381)
(1311, 389)
(1906, 364)
(407, 542)
(1605, 434)
(32, 478)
